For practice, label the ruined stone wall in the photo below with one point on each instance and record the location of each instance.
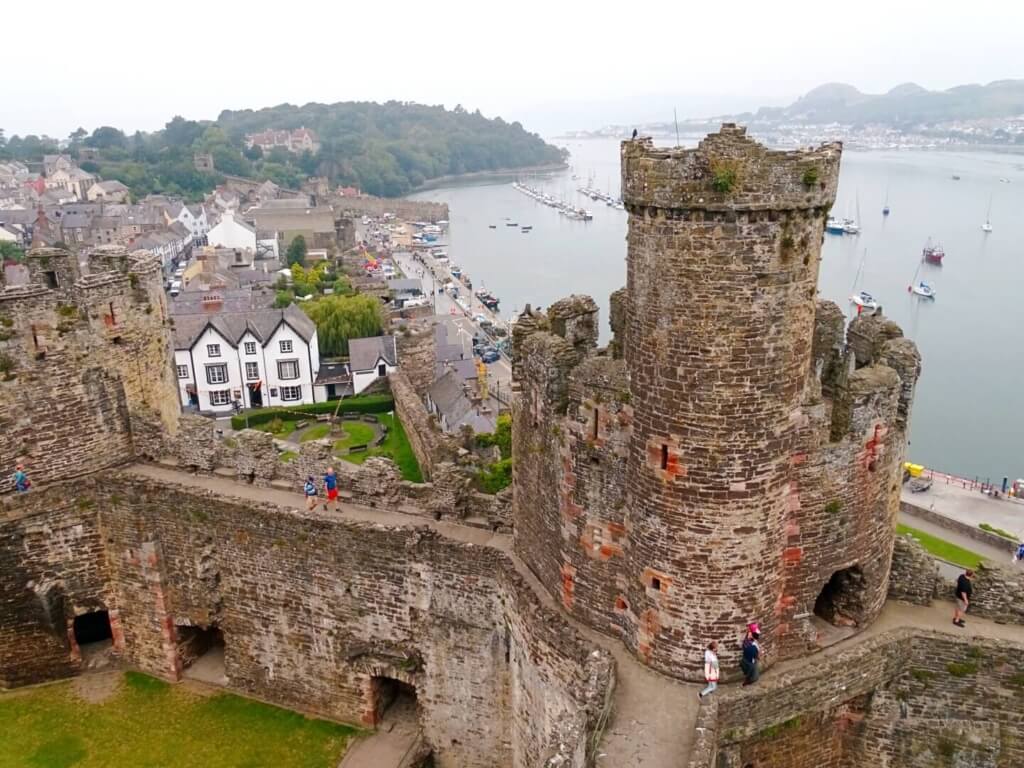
(311, 609)
(901, 700)
(417, 355)
(86, 379)
(914, 573)
(52, 568)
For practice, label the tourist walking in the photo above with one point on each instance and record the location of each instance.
(964, 589)
(751, 660)
(711, 672)
(331, 487)
(21, 481)
(310, 490)
(1019, 554)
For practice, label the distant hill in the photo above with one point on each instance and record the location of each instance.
(906, 104)
(390, 149)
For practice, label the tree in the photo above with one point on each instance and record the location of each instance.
(255, 152)
(296, 253)
(340, 318)
(76, 136)
(105, 137)
(10, 252)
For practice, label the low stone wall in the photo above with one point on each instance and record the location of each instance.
(952, 524)
(428, 442)
(905, 698)
(998, 593)
(914, 573)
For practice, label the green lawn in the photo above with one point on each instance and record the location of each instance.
(396, 447)
(150, 723)
(279, 428)
(356, 433)
(315, 433)
(941, 548)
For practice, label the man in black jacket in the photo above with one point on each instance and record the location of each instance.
(964, 588)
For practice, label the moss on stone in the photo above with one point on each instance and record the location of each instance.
(810, 177)
(962, 669)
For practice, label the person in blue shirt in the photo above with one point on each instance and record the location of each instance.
(331, 487)
(310, 490)
(1019, 557)
(21, 482)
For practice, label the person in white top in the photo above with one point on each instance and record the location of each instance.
(710, 668)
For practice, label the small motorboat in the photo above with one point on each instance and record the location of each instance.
(933, 254)
(955, 177)
(511, 223)
(923, 290)
(492, 226)
(986, 227)
(864, 300)
(885, 210)
(527, 227)
(834, 226)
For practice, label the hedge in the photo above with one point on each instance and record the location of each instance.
(357, 404)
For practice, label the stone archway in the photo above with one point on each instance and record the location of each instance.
(841, 600)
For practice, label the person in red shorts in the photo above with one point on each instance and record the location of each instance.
(331, 487)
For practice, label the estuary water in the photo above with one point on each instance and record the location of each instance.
(968, 416)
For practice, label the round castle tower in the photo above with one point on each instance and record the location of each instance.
(724, 245)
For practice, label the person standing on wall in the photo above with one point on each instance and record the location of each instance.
(711, 671)
(750, 663)
(964, 590)
(331, 488)
(1018, 556)
(310, 490)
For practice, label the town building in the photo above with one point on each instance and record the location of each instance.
(260, 358)
(72, 180)
(371, 359)
(110, 191)
(298, 140)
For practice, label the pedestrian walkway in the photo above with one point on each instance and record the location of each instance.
(949, 570)
(654, 715)
(969, 506)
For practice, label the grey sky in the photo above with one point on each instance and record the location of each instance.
(551, 65)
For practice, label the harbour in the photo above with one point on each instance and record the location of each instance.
(967, 417)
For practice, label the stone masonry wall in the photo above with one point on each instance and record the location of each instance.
(901, 700)
(914, 573)
(87, 381)
(430, 444)
(311, 609)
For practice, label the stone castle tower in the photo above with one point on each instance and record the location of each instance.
(730, 457)
(84, 373)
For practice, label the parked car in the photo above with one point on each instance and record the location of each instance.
(490, 355)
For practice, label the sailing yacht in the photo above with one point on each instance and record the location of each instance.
(987, 226)
(885, 207)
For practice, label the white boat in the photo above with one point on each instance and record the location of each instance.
(924, 290)
(864, 300)
(987, 226)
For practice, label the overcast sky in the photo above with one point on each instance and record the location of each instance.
(552, 65)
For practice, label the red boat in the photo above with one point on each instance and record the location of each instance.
(933, 254)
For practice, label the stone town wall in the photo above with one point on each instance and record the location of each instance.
(311, 609)
(417, 354)
(430, 444)
(738, 462)
(901, 700)
(407, 210)
(952, 524)
(85, 378)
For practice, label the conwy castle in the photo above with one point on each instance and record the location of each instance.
(734, 454)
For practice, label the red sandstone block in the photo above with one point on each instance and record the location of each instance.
(792, 555)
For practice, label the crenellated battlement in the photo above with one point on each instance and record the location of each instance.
(728, 171)
(85, 377)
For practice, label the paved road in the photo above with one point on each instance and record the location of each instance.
(948, 570)
(948, 497)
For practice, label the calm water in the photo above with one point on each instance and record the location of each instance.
(968, 417)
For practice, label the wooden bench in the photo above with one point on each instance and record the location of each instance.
(369, 417)
(301, 425)
(358, 448)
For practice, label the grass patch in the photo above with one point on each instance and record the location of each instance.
(315, 433)
(941, 548)
(278, 427)
(997, 531)
(358, 404)
(355, 434)
(149, 723)
(287, 456)
(395, 447)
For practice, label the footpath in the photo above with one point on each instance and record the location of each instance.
(655, 716)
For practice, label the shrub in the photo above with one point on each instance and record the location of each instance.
(810, 177)
(724, 177)
(834, 507)
(501, 436)
(359, 404)
(962, 669)
(997, 531)
(495, 477)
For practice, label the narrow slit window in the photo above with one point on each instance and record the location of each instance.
(664, 456)
(597, 421)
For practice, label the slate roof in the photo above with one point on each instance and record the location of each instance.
(364, 353)
(405, 284)
(233, 326)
